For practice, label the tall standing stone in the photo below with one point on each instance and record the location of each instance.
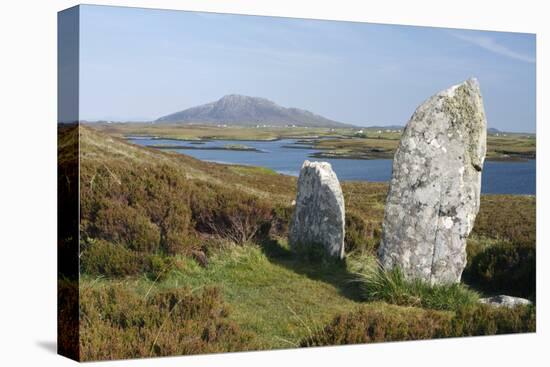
(434, 192)
(319, 215)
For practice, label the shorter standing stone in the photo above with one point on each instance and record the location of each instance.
(319, 215)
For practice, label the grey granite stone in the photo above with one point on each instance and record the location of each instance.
(434, 192)
(319, 214)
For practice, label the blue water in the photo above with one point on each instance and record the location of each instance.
(497, 178)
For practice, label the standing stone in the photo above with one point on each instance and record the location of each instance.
(434, 192)
(319, 215)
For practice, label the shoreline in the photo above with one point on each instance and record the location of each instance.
(295, 175)
(301, 143)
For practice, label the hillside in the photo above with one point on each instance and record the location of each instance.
(180, 256)
(241, 110)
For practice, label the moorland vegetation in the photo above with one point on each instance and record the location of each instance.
(180, 256)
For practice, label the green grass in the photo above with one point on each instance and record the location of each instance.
(251, 170)
(392, 287)
(272, 299)
(271, 294)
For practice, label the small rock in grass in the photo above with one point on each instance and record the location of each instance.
(505, 301)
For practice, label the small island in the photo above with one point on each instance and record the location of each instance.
(234, 147)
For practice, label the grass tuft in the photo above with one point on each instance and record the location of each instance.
(392, 287)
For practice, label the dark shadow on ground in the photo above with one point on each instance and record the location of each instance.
(48, 345)
(333, 272)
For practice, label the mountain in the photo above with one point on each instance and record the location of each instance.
(236, 109)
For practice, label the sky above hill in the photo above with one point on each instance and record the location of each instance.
(138, 64)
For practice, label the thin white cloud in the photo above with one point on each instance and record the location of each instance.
(490, 44)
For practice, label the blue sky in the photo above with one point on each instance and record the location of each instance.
(138, 64)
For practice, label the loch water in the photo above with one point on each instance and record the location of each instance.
(497, 178)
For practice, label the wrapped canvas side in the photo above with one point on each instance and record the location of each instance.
(68, 184)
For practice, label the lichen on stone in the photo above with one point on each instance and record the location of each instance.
(319, 214)
(436, 183)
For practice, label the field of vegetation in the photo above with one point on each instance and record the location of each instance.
(509, 148)
(366, 143)
(180, 256)
(206, 132)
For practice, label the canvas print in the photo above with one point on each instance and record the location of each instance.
(235, 183)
